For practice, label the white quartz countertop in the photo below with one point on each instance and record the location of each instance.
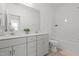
(18, 35)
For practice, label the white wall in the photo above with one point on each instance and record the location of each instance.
(67, 30)
(47, 18)
(52, 14)
(29, 17)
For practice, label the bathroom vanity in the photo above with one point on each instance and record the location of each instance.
(14, 18)
(24, 45)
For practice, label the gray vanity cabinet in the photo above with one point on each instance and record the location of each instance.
(42, 44)
(45, 44)
(37, 45)
(5, 52)
(13, 47)
(31, 45)
(19, 50)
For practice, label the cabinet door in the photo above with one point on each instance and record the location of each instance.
(42, 45)
(20, 50)
(32, 49)
(45, 44)
(39, 47)
(32, 46)
(5, 52)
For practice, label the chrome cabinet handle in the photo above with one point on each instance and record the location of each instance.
(10, 53)
(13, 51)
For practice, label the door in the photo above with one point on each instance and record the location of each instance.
(20, 50)
(5, 52)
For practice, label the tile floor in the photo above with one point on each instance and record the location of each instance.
(62, 53)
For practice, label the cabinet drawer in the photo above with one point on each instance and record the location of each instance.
(17, 41)
(6, 43)
(32, 38)
(32, 44)
(41, 37)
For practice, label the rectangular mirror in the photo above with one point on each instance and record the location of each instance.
(13, 22)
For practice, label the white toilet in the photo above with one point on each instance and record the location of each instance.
(54, 45)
